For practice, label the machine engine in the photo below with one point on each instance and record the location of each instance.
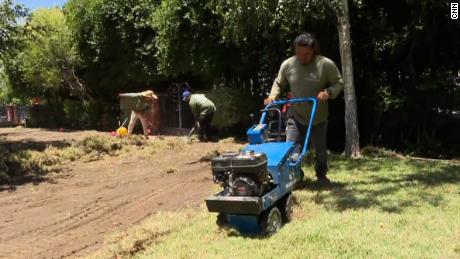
(242, 174)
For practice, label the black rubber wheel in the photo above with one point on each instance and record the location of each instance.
(300, 183)
(222, 221)
(286, 206)
(271, 221)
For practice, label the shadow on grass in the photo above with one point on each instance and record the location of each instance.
(32, 145)
(378, 185)
(234, 233)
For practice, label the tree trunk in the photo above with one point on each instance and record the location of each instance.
(351, 121)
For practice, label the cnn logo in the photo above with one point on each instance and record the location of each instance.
(454, 11)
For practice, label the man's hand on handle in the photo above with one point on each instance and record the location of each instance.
(268, 100)
(323, 96)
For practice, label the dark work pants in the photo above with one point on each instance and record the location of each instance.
(205, 126)
(296, 132)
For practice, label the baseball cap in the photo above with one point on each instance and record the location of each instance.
(185, 94)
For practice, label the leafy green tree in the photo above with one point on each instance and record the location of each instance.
(47, 60)
(9, 28)
(405, 57)
(10, 41)
(116, 43)
(4, 84)
(404, 74)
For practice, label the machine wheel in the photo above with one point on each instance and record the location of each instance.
(222, 221)
(286, 206)
(301, 182)
(271, 221)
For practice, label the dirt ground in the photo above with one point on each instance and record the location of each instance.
(70, 214)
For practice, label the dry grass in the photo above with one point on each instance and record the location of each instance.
(31, 165)
(152, 231)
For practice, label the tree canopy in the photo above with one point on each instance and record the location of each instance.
(405, 56)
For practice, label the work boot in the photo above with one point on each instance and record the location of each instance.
(323, 181)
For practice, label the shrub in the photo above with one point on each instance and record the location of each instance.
(76, 114)
(234, 107)
(73, 114)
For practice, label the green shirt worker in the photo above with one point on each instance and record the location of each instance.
(203, 110)
(308, 74)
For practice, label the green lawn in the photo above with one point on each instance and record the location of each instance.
(380, 206)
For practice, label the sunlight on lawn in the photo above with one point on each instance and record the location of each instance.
(378, 207)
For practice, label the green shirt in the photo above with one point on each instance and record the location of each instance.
(307, 81)
(201, 106)
(135, 102)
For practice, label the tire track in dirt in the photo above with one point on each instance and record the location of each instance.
(72, 217)
(89, 213)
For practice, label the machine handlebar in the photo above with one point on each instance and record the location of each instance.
(314, 101)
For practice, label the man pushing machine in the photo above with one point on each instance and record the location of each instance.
(309, 74)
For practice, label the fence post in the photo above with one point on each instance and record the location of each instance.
(9, 113)
(180, 109)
